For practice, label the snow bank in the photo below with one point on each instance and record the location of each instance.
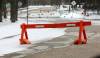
(45, 15)
(72, 16)
(93, 17)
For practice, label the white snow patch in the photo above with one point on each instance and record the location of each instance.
(73, 16)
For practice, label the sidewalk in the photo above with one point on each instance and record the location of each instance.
(61, 47)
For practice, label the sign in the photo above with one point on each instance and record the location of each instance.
(19, 4)
(73, 3)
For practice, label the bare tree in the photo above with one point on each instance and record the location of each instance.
(1, 10)
(14, 10)
(4, 8)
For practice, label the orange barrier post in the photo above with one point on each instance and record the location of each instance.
(82, 35)
(24, 36)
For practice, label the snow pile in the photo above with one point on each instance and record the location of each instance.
(34, 7)
(74, 16)
(93, 17)
(45, 15)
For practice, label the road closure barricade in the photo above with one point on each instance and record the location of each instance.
(82, 37)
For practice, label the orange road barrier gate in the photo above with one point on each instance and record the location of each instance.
(82, 39)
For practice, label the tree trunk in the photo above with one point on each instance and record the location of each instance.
(1, 11)
(4, 9)
(14, 9)
(98, 11)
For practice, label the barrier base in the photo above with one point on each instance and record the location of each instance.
(24, 41)
(78, 42)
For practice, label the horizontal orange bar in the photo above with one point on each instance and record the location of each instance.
(57, 25)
